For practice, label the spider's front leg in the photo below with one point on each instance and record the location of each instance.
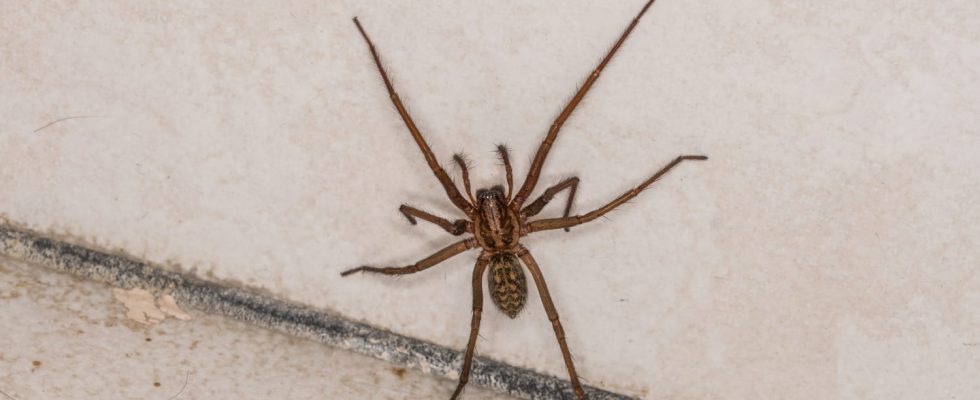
(430, 261)
(532, 175)
(430, 158)
(567, 222)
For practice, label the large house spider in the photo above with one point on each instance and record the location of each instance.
(498, 219)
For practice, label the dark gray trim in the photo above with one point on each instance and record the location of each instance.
(291, 318)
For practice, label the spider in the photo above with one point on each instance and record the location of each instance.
(497, 219)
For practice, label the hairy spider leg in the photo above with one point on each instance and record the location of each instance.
(535, 207)
(549, 308)
(567, 222)
(425, 263)
(430, 158)
(464, 374)
(456, 228)
(532, 176)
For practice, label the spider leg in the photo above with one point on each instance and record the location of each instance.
(549, 308)
(432, 260)
(430, 158)
(535, 207)
(532, 176)
(458, 227)
(465, 170)
(464, 375)
(566, 222)
(505, 158)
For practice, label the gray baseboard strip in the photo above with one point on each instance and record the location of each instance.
(291, 318)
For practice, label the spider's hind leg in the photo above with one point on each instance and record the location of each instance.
(464, 374)
(425, 263)
(549, 308)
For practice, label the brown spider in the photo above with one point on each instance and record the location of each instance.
(498, 219)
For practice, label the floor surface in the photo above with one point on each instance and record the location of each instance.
(71, 339)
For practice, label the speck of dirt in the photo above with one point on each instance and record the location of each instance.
(399, 372)
(149, 339)
(156, 384)
(36, 363)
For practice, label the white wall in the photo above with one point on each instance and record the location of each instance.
(827, 250)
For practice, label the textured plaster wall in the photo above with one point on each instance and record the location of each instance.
(828, 249)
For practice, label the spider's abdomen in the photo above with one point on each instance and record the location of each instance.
(508, 286)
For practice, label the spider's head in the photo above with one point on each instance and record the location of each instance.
(494, 194)
(492, 208)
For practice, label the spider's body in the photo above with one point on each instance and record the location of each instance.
(497, 219)
(497, 229)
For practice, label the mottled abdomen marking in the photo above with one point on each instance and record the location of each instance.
(508, 286)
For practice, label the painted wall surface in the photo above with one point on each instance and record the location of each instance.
(828, 249)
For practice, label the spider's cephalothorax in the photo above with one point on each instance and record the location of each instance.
(495, 225)
(497, 220)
